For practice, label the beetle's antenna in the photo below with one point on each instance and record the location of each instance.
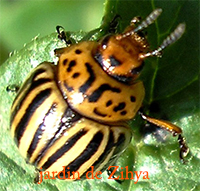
(62, 35)
(173, 37)
(149, 20)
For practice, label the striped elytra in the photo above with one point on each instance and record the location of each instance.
(74, 114)
(50, 135)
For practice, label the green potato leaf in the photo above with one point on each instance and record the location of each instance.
(172, 93)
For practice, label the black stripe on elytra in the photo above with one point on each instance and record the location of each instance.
(37, 72)
(34, 84)
(100, 90)
(109, 146)
(35, 140)
(40, 131)
(120, 143)
(69, 117)
(119, 147)
(36, 102)
(62, 150)
(90, 80)
(89, 151)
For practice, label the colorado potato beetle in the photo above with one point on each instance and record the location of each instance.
(74, 113)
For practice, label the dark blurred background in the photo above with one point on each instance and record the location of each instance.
(21, 20)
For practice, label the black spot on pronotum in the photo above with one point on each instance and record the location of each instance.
(76, 75)
(90, 80)
(123, 112)
(78, 51)
(65, 61)
(99, 113)
(108, 103)
(72, 63)
(119, 107)
(99, 91)
(132, 98)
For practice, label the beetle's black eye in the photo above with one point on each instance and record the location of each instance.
(138, 69)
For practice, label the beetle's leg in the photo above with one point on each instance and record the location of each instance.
(175, 130)
(37, 176)
(113, 24)
(109, 172)
(59, 51)
(12, 88)
(62, 35)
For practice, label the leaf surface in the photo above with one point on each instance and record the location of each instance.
(172, 93)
